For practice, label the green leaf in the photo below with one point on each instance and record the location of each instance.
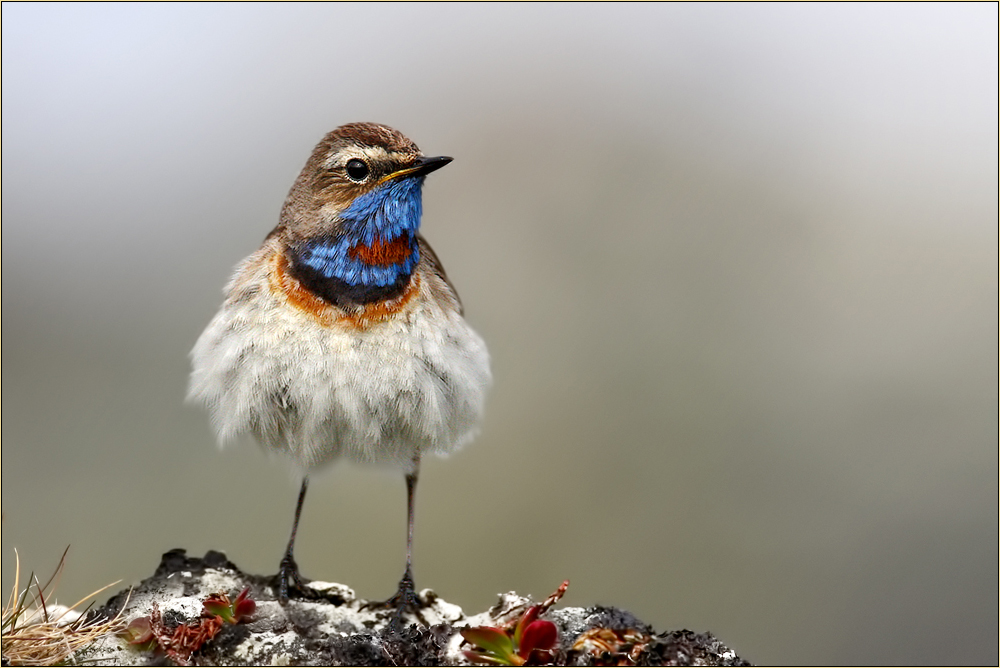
(493, 640)
(477, 657)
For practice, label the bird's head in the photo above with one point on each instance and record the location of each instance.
(353, 214)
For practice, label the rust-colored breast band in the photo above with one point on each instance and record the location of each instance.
(329, 315)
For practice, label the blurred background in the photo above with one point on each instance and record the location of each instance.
(736, 266)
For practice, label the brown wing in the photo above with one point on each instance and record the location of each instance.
(430, 261)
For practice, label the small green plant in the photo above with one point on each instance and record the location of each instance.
(139, 632)
(530, 641)
(232, 613)
(179, 643)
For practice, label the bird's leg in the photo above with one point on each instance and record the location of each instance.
(406, 596)
(289, 569)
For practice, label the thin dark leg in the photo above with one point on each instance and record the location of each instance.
(411, 490)
(289, 569)
(406, 596)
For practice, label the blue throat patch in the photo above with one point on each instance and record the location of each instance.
(382, 215)
(375, 252)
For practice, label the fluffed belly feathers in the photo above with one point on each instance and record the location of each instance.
(413, 383)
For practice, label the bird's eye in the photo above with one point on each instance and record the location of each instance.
(357, 170)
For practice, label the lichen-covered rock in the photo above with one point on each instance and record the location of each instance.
(337, 628)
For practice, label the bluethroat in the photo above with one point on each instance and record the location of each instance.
(342, 336)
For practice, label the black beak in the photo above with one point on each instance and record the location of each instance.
(424, 165)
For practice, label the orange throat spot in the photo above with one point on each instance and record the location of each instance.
(383, 253)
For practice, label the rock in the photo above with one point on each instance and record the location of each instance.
(338, 628)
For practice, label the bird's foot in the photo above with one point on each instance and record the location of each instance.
(404, 599)
(290, 584)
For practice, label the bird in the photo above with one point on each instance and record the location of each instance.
(342, 337)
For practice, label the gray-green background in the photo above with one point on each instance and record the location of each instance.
(736, 266)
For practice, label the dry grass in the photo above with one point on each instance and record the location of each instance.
(37, 632)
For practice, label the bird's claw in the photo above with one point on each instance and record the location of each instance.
(404, 599)
(291, 584)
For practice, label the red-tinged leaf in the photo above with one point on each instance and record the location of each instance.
(219, 608)
(243, 609)
(139, 631)
(493, 640)
(555, 596)
(215, 606)
(217, 598)
(244, 595)
(539, 635)
(243, 606)
(530, 615)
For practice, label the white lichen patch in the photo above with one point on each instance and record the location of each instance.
(334, 589)
(438, 610)
(110, 651)
(342, 619)
(506, 610)
(220, 581)
(265, 643)
(188, 607)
